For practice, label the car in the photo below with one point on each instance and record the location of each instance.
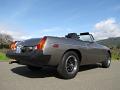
(65, 53)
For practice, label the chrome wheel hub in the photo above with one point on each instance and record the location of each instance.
(71, 64)
(109, 61)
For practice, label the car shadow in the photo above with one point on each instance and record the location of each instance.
(89, 67)
(47, 71)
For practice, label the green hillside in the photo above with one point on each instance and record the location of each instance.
(111, 42)
(114, 44)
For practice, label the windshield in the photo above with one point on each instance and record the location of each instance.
(86, 38)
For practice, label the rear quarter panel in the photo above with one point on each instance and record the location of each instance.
(64, 45)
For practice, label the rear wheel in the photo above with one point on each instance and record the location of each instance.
(69, 65)
(32, 68)
(106, 63)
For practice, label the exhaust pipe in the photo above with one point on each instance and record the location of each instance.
(11, 62)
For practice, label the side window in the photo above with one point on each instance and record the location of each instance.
(86, 38)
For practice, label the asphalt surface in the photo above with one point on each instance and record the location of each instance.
(90, 77)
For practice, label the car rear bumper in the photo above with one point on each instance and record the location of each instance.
(34, 58)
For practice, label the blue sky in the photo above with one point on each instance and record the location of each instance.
(35, 18)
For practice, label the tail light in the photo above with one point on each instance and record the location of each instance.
(41, 43)
(13, 45)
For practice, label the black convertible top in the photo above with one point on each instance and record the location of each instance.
(72, 35)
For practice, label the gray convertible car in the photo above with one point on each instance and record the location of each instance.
(65, 53)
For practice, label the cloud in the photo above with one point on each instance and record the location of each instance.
(106, 29)
(20, 34)
(55, 31)
(16, 33)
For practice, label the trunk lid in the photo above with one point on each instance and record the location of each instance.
(29, 42)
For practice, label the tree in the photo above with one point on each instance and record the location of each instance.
(5, 40)
(118, 46)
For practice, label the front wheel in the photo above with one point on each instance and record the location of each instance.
(69, 65)
(106, 63)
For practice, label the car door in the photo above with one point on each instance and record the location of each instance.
(93, 53)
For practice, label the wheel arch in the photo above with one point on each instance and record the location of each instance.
(109, 52)
(76, 51)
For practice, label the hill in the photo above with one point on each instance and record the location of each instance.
(111, 42)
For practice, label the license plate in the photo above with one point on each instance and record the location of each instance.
(18, 49)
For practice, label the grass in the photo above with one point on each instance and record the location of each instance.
(3, 57)
(115, 54)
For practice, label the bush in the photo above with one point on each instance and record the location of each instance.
(2, 46)
(115, 54)
(5, 41)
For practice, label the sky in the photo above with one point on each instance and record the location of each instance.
(23, 19)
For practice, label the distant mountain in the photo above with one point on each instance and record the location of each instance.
(110, 42)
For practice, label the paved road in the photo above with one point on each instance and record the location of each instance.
(92, 77)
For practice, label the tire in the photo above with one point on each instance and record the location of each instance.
(32, 68)
(106, 63)
(69, 65)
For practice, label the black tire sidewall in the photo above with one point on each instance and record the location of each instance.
(62, 69)
(105, 63)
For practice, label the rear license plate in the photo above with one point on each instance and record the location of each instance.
(18, 49)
